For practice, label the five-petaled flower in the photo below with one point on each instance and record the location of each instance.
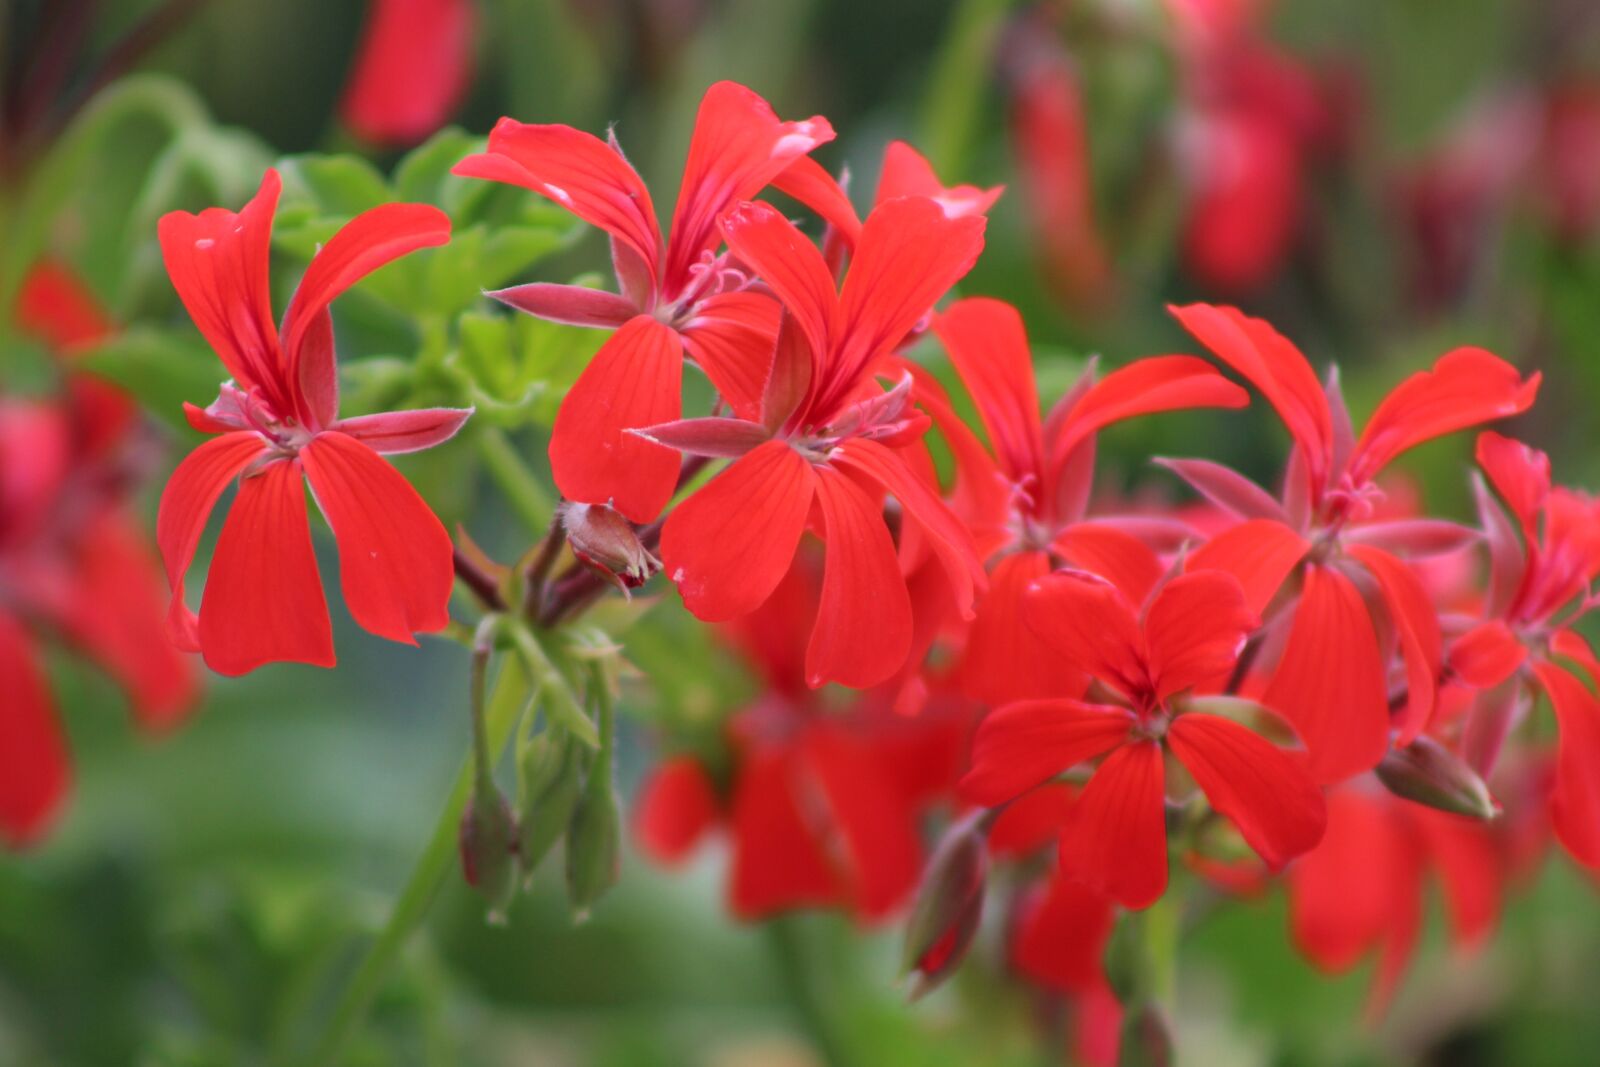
(278, 423)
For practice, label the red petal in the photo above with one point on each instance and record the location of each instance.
(738, 146)
(218, 262)
(729, 544)
(395, 562)
(810, 183)
(1520, 474)
(791, 267)
(263, 600)
(34, 773)
(1003, 660)
(1470, 871)
(1330, 681)
(1414, 537)
(1022, 745)
(57, 307)
(634, 380)
(1465, 387)
(1575, 797)
(575, 305)
(1031, 821)
(1259, 788)
(1414, 617)
(876, 825)
(1145, 387)
(412, 67)
(581, 173)
(989, 347)
(715, 437)
(362, 245)
(863, 629)
(677, 805)
(1274, 366)
(1226, 488)
(906, 173)
(730, 337)
(1115, 837)
(390, 433)
(1195, 628)
(778, 860)
(1061, 936)
(1090, 626)
(1260, 553)
(1124, 560)
(186, 504)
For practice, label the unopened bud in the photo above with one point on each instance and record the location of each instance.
(486, 841)
(549, 777)
(948, 907)
(606, 541)
(593, 844)
(1430, 774)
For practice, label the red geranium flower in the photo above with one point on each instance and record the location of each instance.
(676, 295)
(278, 422)
(410, 70)
(1188, 636)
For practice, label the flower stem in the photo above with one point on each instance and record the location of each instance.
(527, 497)
(807, 992)
(438, 859)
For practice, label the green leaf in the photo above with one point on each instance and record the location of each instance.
(162, 368)
(338, 185)
(423, 176)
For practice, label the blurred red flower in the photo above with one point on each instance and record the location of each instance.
(412, 67)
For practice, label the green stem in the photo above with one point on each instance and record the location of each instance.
(809, 995)
(527, 497)
(958, 83)
(435, 864)
(561, 703)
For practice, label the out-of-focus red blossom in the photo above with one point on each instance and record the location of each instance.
(73, 564)
(1570, 158)
(278, 427)
(1330, 678)
(1543, 559)
(1025, 497)
(1146, 659)
(822, 803)
(412, 67)
(677, 296)
(1365, 885)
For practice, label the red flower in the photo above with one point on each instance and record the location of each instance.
(676, 295)
(1026, 500)
(278, 422)
(1188, 636)
(824, 443)
(412, 66)
(1331, 678)
(1532, 581)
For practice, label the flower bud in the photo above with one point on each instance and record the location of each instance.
(606, 541)
(593, 844)
(1429, 774)
(486, 840)
(549, 778)
(948, 907)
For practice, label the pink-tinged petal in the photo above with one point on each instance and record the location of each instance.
(715, 437)
(907, 173)
(633, 381)
(1277, 368)
(1060, 936)
(1145, 387)
(863, 629)
(739, 145)
(1414, 537)
(922, 506)
(1575, 797)
(218, 263)
(788, 378)
(263, 601)
(1195, 628)
(579, 172)
(729, 544)
(186, 504)
(203, 421)
(1520, 474)
(1090, 625)
(1508, 558)
(395, 563)
(34, 769)
(1022, 745)
(390, 433)
(731, 337)
(1258, 787)
(1470, 869)
(1330, 681)
(876, 824)
(411, 69)
(810, 183)
(574, 305)
(1002, 660)
(677, 806)
(1121, 558)
(1465, 387)
(1416, 622)
(989, 347)
(790, 265)
(1226, 488)
(1260, 553)
(314, 372)
(1115, 837)
(778, 859)
(909, 255)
